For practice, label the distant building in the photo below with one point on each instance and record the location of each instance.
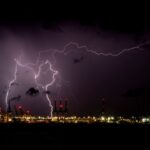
(60, 108)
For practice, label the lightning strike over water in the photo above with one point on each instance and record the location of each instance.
(54, 72)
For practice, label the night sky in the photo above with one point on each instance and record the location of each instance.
(84, 78)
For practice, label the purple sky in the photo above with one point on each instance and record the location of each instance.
(86, 82)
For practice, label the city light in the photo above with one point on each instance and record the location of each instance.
(28, 118)
(145, 120)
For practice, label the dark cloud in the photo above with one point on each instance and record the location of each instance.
(52, 26)
(47, 92)
(32, 92)
(17, 98)
(146, 47)
(78, 60)
(137, 92)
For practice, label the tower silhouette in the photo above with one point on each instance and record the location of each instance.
(9, 107)
(55, 107)
(103, 106)
(66, 107)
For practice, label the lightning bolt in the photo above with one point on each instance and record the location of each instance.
(36, 76)
(55, 72)
(10, 84)
(64, 51)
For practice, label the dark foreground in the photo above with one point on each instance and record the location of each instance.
(69, 136)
